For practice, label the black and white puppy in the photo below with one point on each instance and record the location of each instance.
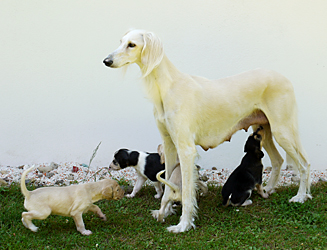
(247, 176)
(147, 165)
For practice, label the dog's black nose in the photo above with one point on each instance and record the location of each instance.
(108, 62)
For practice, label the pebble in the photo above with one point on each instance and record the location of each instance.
(62, 174)
(3, 183)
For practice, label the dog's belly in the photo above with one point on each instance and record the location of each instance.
(213, 139)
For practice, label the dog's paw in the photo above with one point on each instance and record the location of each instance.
(155, 213)
(129, 195)
(181, 227)
(246, 203)
(103, 217)
(269, 190)
(265, 195)
(157, 196)
(86, 232)
(301, 198)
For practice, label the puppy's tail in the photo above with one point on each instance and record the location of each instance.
(173, 186)
(23, 188)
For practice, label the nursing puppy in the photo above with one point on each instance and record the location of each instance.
(173, 189)
(247, 176)
(70, 201)
(147, 165)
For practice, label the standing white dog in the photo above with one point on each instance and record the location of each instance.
(191, 110)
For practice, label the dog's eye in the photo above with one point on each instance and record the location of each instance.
(131, 45)
(114, 162)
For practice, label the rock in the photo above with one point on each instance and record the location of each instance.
(46, 169)
(59, 182)
(70, 177)
(214, 168)
(127, 189)
(21, 167)
(49, 175)
(3, 183)
(322, 179)
(204, 178)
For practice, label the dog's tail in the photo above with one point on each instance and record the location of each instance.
(23, 188)
(173, 186)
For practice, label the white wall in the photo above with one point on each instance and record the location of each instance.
(58, 101)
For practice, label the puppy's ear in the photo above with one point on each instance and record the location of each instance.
(249, 146)
(152, 52)
(107, 193)
(133, 158)
(259, 153)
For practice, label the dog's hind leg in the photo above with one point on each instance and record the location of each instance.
(27, 218)
(158, 186)
(187, 153)
(287, 137)
(275, 158)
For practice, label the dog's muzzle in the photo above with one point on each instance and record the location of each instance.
(108, 62)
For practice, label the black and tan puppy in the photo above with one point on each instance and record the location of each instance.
(247, 176)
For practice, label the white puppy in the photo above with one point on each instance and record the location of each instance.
(173, 189)
(70, 201)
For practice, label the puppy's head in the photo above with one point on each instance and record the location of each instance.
(112, 190)
(254, 143)
(124, 158)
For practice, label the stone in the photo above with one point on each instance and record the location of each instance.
(3, 183)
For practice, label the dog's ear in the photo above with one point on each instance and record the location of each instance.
(133, 158)
(152, 52)
(259, 153)
(249, 145)
(107, 193)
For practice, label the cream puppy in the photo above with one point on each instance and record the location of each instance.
(70, 201)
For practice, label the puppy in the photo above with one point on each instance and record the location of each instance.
(70, 201)
(243, 180)
(147, 165)
(173, 189)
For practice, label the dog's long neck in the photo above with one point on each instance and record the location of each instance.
(158, 82)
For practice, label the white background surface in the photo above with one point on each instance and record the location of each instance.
(58, 100)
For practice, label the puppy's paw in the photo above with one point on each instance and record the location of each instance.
(34, 228)
(130, 195)
(246, 203)
(103, 217)
(86, 232)
(155, 213)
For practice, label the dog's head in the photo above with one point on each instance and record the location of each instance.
(124, 158)
(254, 143)
(112, 190)
(137, 46)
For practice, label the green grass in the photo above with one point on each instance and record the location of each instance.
(271, 223)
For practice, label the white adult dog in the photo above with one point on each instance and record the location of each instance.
(191, 110)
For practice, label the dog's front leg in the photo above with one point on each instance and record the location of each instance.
(138, 185)
(187, 154)
(78, 219)
(95, 209)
